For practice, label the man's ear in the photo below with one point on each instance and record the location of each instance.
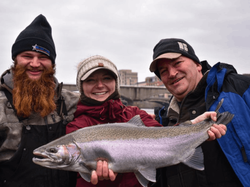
(199, 67)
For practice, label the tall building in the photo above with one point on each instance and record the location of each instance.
(127, 77)
(153, 81)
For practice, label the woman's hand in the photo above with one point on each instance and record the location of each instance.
(102, 172)
(216, 131)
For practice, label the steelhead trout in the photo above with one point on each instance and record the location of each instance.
(129, 147)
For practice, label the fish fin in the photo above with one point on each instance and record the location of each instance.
(196, 161)
(224, 118)
(136, 120)
(148, 173)
(219, 105)
(84, 172)
(85, 176)
(142, 180)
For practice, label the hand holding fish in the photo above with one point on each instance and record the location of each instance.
(102, 172)
(217, 130)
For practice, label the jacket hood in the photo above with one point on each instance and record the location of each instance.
(230, 68)
(6, 79)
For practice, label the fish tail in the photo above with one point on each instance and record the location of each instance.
(224, 118)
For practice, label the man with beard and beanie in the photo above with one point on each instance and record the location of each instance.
(196, 88)
(34, 110)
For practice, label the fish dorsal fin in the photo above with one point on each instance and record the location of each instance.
(136, 120)
(196, 161)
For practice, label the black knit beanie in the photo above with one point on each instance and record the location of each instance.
(36, 37)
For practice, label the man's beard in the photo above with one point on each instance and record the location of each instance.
(33, 95)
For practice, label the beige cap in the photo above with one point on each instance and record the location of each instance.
(92, 64)
(153, 65)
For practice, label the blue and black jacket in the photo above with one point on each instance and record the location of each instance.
(224, 82)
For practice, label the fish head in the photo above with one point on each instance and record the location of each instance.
(57, 156)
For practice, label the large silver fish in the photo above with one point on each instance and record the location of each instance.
(129, 147)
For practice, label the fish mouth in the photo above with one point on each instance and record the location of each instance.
(42, 158)
(45, 158)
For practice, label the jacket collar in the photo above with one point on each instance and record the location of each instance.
(109, 110)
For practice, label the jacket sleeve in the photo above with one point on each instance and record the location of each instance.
(146, 118)
(78, 123)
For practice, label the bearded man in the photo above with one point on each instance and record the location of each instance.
(34, 109)
(33, 94)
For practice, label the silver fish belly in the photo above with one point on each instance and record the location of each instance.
(129, 147)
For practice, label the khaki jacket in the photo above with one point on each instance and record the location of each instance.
(11, 127)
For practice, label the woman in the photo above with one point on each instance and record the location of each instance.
(98, 83)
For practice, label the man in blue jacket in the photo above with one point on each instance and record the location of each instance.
(196, 88)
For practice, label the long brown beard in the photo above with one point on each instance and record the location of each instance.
(33, 95)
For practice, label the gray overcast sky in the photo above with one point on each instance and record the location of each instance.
(126, 31)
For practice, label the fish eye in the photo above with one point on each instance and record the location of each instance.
(52, 150)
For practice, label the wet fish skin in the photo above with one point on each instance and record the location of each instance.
(129, 147)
